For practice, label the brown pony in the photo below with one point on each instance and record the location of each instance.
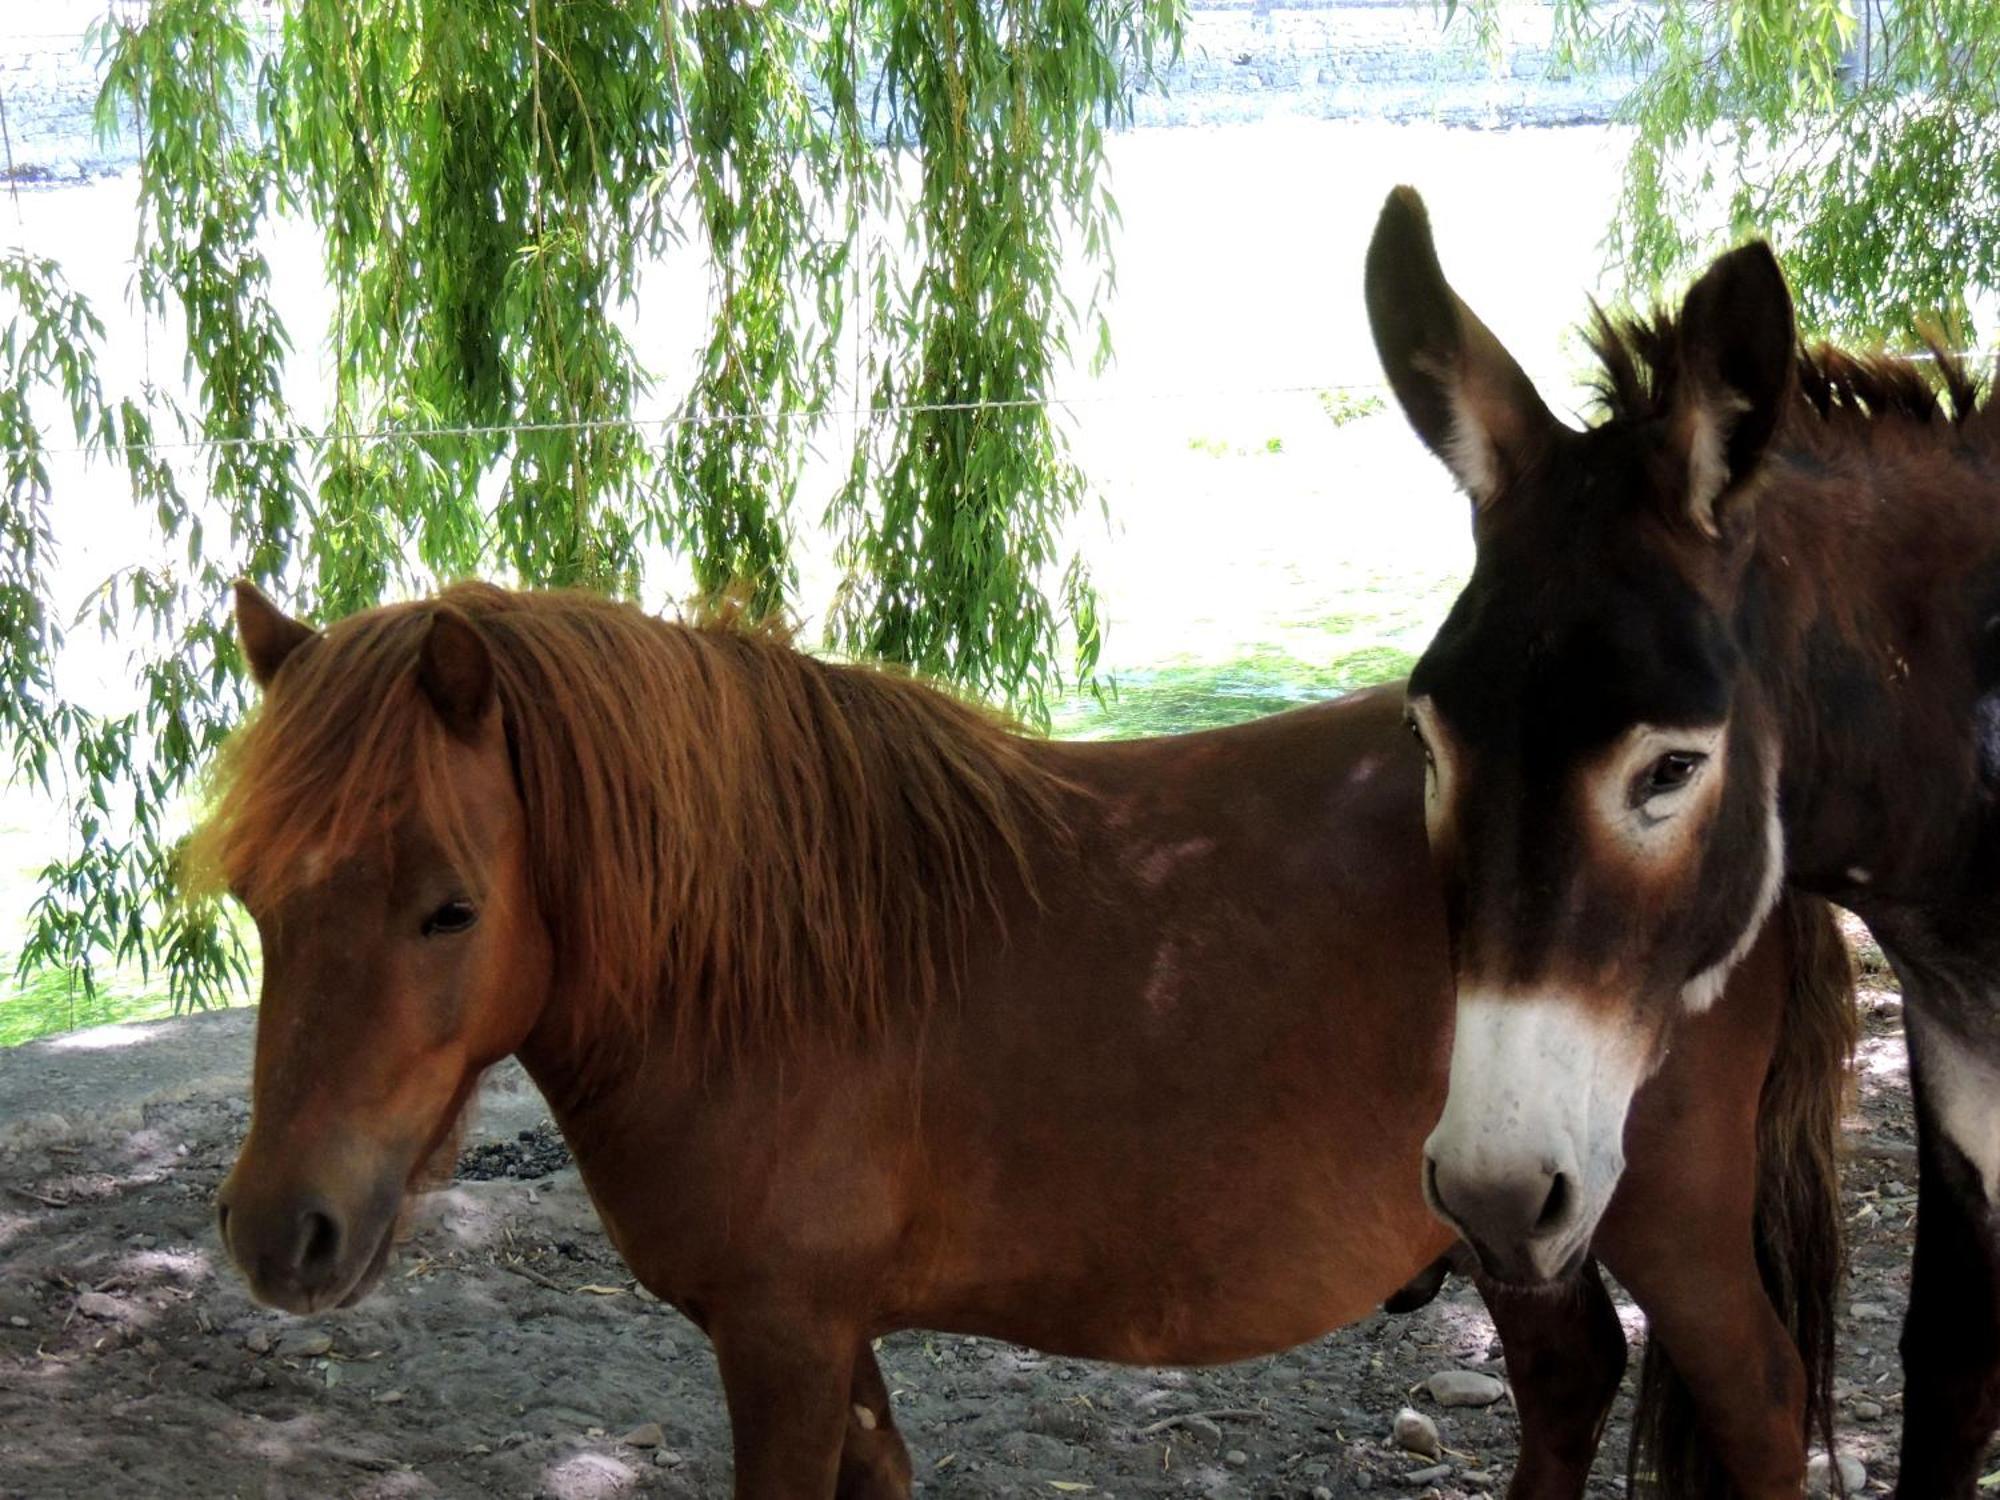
(861, 1012)
(1742, 631)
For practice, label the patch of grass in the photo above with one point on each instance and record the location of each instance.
(1208, 695)
(1344, 406)
(48, 1002)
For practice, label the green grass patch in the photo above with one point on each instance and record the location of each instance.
(48, 1002)
(1208, 695)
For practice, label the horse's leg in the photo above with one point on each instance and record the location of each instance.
(1680, 1240)
(1951, 1338)
(874, 1464)
(1565, 1353)
(787, 1383)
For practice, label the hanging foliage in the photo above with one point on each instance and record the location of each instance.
(882, 192)
(1862, 136)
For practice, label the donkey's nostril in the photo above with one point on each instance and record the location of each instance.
(318, 1243)
(1556, 1207)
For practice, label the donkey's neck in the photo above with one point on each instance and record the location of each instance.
(1871, 615)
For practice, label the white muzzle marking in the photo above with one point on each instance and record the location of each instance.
(1531, 1143)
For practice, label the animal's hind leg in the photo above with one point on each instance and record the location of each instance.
(874, 1464)
(787, 1381)
(1951, 1338)
(1565, 1354)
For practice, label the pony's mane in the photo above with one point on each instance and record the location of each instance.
(730, 838)
(1845, 397)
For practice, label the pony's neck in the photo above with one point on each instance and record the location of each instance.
(1871, 618)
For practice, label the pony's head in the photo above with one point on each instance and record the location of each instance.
(370, 820)
(1602, 799)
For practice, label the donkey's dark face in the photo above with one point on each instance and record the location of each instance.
(1601, 799)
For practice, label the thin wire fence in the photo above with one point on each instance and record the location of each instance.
(333, 438)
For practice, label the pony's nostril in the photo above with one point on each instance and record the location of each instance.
(1555, 1208)
(318, 1242)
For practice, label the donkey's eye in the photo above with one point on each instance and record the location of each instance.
(454, 916)
(1669, 773)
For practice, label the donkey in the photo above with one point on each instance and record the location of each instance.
(1744, 630)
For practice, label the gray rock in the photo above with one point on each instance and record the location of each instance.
(1869, 1312)
(1236, 1458)
(1414, 1432)
(100, 1305)
(645, 1435)
(306, 1343)
(258, 1341)
(1819, 1474)
(1427, 1476)
(1321, 1492)
(1866, 1411)
(1464, 1388)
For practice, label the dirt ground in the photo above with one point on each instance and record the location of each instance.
(508, 1353)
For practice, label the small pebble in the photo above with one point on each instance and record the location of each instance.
(17, 1321)
(390, 1398)
(666, 1458)
(1868, 1312)
(1200, 1427)
(645, 1435)
(1464, 1388)
(1853, 1474)
(258, 1341)
(1236, 1458)
(100, 1305)
(1427, 1476)
(1321, 1492)
(308, 1344)
(1867, 1411)
(1478, 1479)
(1416, 1433)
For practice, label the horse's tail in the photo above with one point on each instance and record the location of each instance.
(1800, 1246)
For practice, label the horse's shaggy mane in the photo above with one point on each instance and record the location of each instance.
(728, 838)
(1844, 395)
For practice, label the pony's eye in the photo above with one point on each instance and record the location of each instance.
(454, 916)
(1669, 773)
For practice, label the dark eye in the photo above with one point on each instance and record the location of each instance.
(455, 915)
(1670, 773)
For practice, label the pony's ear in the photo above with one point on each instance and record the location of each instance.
(268, 635)
(1738, 352)
(456, 671)
(1467, 398)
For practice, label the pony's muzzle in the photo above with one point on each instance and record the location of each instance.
(300, 1251)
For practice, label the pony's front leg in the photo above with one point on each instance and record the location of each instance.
(1951, 1338)
(1565, 1353)
(874, 1464)
(788, 1382)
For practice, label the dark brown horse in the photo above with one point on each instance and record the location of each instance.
(861, 1012)
(1743, 630)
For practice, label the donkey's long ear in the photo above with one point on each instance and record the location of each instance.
(268, 635)
(1467, 398)
(456, 671)
(1738, 352)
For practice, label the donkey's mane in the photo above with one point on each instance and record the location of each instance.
(727, 837)
(1845, 397)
